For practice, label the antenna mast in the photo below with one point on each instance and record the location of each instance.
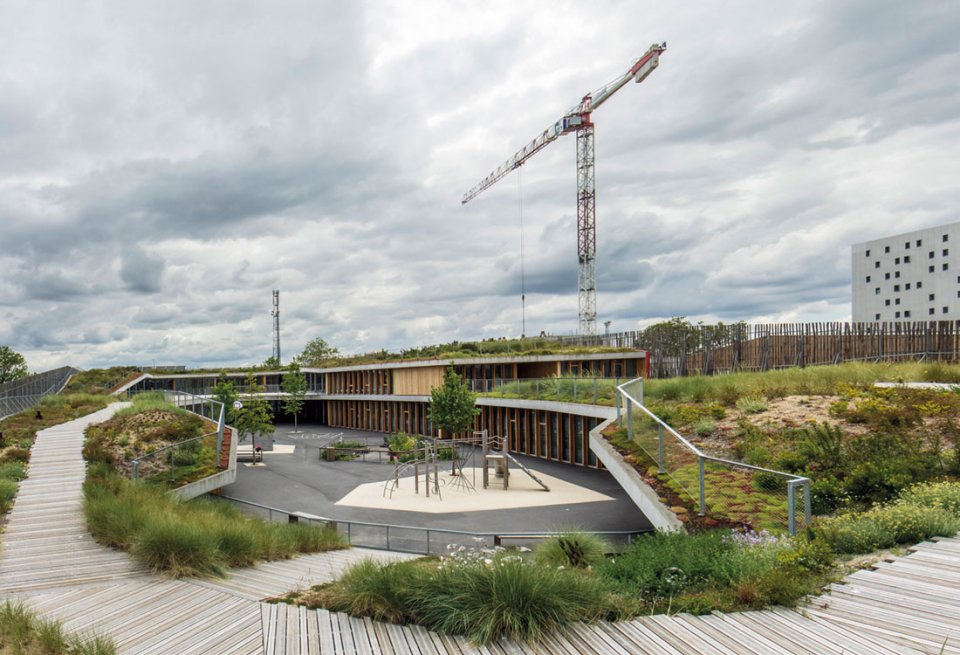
(276, 325)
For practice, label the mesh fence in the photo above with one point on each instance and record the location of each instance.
(180, 464)
(594, 391)
(23, 394)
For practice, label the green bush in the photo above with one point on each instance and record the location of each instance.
(194, 538)
(942, 495)
(752, 405)
(704, 427)
(510, 599)
(885, 526)
(23, 633)
(384, 592)
(178, 548)
(15, 454)
(576, 550)
(8, 491)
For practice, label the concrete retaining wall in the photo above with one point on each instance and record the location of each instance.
(639, 491)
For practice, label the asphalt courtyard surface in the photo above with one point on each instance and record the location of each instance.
(301, 482)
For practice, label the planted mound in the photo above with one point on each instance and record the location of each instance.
(189, 539)
(505, 598)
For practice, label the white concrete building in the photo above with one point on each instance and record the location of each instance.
(908, 277)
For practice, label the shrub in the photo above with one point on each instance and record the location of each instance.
(885, 526)
(179, 548)
(704, 427)
(576, 550)
(13, 471)
(381, 591)
(510, 599)
(8, 491)
(316, 538)
(15, 454)
(752, 405)
(942, 495)
(22, 632)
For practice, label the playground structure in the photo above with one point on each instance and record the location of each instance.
(492, 450)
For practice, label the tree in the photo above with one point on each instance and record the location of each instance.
(271, 363)
(12, 365)
(452, 406)
(255, 417)
(295, 386)
(316, 352)
(226, 392)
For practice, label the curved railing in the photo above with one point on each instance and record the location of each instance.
(726, 488)
(175, 460)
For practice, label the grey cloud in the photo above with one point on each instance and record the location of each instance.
(141, 272)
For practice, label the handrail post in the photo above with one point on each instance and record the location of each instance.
(791, 508)
(642, 381)
(630, 419)
(660, 447)
(617, 397)
(703, 498)
(807, 503)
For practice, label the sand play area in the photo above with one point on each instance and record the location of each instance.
(455, 497)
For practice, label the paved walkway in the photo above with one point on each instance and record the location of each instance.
(906, 605)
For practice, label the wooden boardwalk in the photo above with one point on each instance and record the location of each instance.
(909, 604)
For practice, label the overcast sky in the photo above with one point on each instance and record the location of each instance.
(165, 165)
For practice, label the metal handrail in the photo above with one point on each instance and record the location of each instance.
(629, 534)
(193, 400)
(792, 480)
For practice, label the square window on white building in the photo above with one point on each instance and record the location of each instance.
(944, 310)
(907, 245)
(868, 253)
(868, 279)
(876, 317)
(896, 315)
(946, 237)
(931, 312)
(896, 274)
(896, 287)
(908, 286)
(886, 302)
(919, 285)
(919, 242)
(876, 291)
(896, 260)
(946, 266)
(930, 269)
(930, 255)
(906, 260)
(931, 297)
(886, 249)
(906, 313)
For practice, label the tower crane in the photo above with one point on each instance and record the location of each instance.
(577, 119)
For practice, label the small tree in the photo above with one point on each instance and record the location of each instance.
(452, 406)
(255, 417)
(270, 363)
(295, 386)
(226, 392)
(12, 365)
(315, 352)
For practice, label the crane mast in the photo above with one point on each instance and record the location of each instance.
(577, 119)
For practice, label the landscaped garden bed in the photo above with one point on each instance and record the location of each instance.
(490, 593)
(180, 538)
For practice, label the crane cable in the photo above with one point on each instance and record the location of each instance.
(523, 274)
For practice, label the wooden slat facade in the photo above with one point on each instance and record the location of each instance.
(709, 349)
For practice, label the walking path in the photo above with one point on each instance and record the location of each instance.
(906, 605)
